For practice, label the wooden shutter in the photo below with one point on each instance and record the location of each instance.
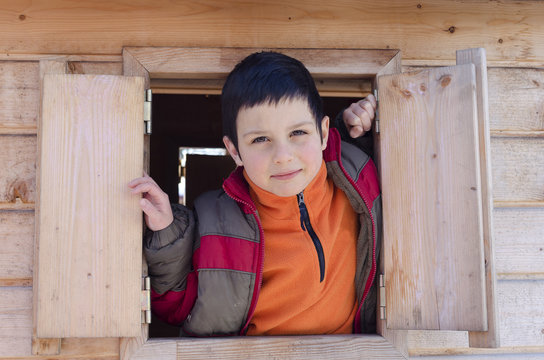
(432, 206)
(89, 227)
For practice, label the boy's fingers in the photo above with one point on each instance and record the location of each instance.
(364, 120)
(148, 208)
(366, 105)
(372, 100)
(356, 131)
(147, 187)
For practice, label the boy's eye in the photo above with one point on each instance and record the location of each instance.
(299, 132)
(259, 139)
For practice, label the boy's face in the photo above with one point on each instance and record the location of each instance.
(279, 145)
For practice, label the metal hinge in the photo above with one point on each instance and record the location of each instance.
(147, 112)
(376, 115)
(382, 296)
(146, 300)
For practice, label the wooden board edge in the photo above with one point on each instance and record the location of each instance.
(42, 346)
(489, 338)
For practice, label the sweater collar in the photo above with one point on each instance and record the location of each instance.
(286, 208)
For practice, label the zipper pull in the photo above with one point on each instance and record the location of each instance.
(302, 209)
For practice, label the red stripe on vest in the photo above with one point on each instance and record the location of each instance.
(222, 252)
(174, 306)
(368, 180)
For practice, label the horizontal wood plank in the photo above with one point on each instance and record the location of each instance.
(19, 94)
(517, 166)
(19, 91)
(289, 347)
(191, 63)
(508, 30)
(16, 331)
(520, 322)
(514, 353)
(18, 159)
(516, 99)
(519, 241)
(16, 253)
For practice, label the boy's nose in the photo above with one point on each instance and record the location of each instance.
(283, 153)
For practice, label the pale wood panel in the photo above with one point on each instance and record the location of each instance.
(289, 347)
(19, 94)
(531, 353)
(489, 338)
(16, 331)
(15, 321)
(517, 165)
(516, 99)
(432, 211)
(18, 161)
(519, 239)
(190, 63)
(520, 322)
(89, 224)
(98, 68)
(521, 313)
(17, 250)
(508, 30)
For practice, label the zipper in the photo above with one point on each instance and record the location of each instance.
(306, 225)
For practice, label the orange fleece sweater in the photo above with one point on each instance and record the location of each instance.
(292, 299)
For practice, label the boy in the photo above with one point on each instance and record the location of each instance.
(289, 245)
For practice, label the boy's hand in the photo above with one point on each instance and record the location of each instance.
(358, 116)
(154, 203)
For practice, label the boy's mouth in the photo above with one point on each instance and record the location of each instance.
(286, 175)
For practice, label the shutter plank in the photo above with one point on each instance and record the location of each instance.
(432, 208)
(89, 226)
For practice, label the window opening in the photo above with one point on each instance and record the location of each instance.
(187, 156)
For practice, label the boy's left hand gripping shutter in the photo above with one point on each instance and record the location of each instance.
(146, 300)
(147, 112)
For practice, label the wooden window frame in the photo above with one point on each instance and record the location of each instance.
(338, 72)
(344, 72)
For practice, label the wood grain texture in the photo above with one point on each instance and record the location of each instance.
(489, 338)
(16, 332)
(20, 91)
(216, 63)
(520, 324)
(18, 159)
(19, 95)
(17, 250)
(517, 165)
(89, 225)
(519, 239)
(516, 99)
(521, 313)
(289, 347)
(508, 30)
(517, 353)
(432, 214)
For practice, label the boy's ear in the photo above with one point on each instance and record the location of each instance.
(324, 132)
(232, 151)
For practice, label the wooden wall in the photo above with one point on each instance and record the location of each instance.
(92, 35)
